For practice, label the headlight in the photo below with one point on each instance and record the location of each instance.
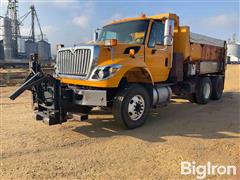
(104, 72)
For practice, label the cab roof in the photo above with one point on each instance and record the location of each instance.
(144, 17)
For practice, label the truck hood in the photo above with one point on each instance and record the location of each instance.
(80, 61)
(118, 53)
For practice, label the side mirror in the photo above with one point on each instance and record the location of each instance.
(96, 34)
(59, 46)
(168, 32)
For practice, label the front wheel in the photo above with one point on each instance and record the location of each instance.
(131, 106)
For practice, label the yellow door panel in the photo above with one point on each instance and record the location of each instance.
(158, 62)
(158, 57)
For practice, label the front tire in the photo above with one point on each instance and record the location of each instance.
(131, 106)
(203, 90)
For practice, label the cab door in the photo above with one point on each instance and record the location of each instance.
(158, 56)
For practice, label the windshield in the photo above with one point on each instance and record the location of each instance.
(127, 32)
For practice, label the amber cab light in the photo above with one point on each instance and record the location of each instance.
(132, 52)
(110, 42)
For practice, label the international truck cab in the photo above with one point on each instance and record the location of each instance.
(135, 64)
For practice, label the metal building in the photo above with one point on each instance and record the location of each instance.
(15, 46)
(44, 50)
(30, 47)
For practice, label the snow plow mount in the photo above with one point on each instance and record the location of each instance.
(46, 94)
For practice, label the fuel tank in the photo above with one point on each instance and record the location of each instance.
(161, 95)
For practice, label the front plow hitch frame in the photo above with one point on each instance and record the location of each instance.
(46, 94)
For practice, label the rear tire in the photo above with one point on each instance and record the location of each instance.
(217, 87)
(131, 106)
(203, 90)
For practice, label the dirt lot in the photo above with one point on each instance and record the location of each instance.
(100, 148)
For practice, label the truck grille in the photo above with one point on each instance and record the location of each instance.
(75, 63)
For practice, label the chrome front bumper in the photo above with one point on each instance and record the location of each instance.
(90, 97)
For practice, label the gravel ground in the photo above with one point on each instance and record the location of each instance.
(101, 149)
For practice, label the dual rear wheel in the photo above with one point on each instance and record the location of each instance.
(208, 88)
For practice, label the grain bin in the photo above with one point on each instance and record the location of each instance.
(21, 45)
(44, 50)
(1, 50)
(30, 47)
(233, 49)
(7, 38)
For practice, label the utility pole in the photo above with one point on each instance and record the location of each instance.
(33, 16)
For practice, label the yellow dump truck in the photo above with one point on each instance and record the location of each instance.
(133, 65)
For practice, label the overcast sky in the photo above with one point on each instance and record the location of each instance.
(72, 22)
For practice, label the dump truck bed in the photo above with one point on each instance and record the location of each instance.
(205, 48)
(202, 39)
(206, 52)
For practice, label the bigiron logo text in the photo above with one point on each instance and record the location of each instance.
(208, 169)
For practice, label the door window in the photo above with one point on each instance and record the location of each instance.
(157, 34)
